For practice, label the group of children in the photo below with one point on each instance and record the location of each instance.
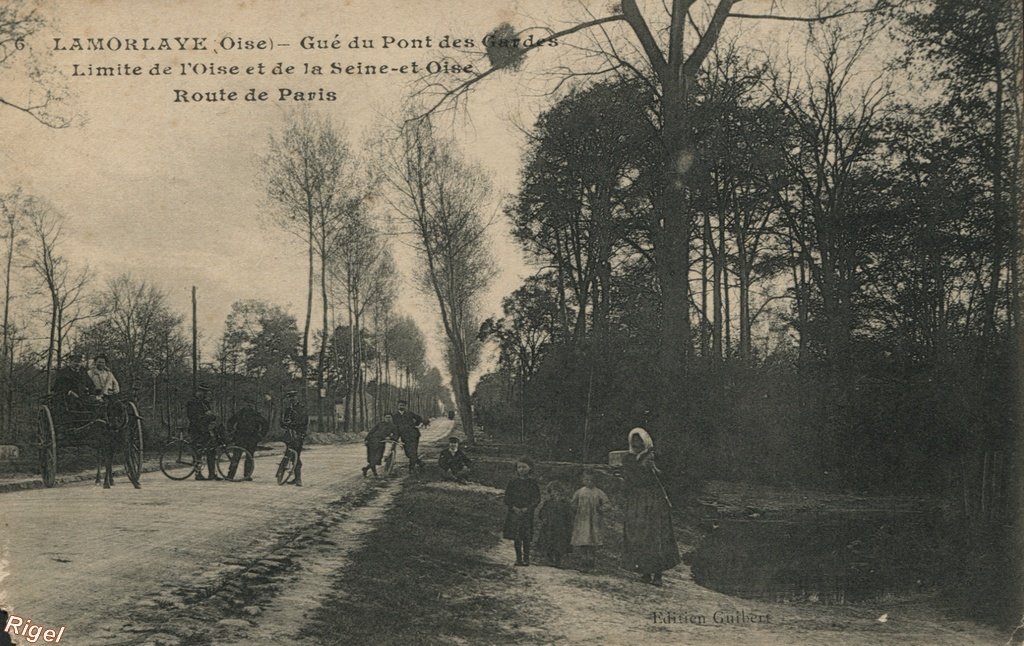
(565, 524)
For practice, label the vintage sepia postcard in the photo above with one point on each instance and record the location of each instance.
(344, 322)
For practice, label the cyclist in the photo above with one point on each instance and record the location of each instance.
(247, 428)
(201, 420)
(408, 424)
(384, 430)
(294, 421)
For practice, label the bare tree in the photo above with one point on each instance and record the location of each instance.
(835, 119)
(440, 196)
(42, 96)
(307, 173)
(134, 325)
(11, 207)
(664, 45)
(362, 270)
(64, 286)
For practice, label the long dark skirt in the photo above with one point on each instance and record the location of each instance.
(648, 542)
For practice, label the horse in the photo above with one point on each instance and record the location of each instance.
(109, 434)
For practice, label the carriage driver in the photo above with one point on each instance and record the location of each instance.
(73, 390)
(201, 419)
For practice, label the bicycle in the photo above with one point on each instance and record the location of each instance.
(390, 455)
(180, 459)
(286, 469)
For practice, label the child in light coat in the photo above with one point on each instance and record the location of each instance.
(590, 505)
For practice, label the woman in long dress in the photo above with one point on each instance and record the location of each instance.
(648, 542)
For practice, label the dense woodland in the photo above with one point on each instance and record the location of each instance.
(851, 232)
(853, 263)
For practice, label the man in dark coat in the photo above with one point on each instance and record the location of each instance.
(73, 390)
(408, 425)
(247, 428)
(454, 462)
(201, 419)
(295, 422)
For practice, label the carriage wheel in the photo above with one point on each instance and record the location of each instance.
(231, 461)
(286, 469)
(178, 459)
(133, 444)
(47, 448)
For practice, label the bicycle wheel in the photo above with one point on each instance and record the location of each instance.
(286, 470)
(231, 462)
(178, 459)
(389, 457)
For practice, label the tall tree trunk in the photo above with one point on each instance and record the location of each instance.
(1000, 233)
(705, 337)
(716, 291)
(672, 228)
(321, 390)
(724, 260)
(304, 368)
(743, 283)
(50, 347)
(8, 350)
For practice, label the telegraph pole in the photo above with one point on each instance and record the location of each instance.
(195, 345)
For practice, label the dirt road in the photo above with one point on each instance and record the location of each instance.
(105, 564)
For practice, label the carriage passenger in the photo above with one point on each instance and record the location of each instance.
(102, 378)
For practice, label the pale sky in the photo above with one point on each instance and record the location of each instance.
(168, 191)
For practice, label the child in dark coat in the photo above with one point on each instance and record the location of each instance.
(555, 515)
(454, 462)
(521, 497)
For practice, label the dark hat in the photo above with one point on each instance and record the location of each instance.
(403, 401)
(203, 388)
(75, 355)
(453, 440)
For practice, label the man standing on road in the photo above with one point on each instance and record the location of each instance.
(408, 424)
(200, 429)
(247, 428)
(294, 421)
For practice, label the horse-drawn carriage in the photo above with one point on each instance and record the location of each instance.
(107, 425)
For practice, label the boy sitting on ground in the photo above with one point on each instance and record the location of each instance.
(454, 462)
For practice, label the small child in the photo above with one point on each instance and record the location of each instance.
(521, 497)
(589, 504)
(555, 517)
